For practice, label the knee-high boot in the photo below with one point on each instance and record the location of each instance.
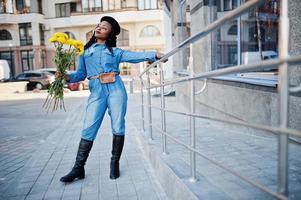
(78, 170)
(117, 146)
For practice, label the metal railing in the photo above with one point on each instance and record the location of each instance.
(282, 63)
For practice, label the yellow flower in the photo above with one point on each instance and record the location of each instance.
(70, 42)
(61, 40)
(78, 44)
(80, 51)
(63, 35)
(53, 39)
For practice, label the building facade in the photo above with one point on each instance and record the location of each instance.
(249, 97)
(26, 25)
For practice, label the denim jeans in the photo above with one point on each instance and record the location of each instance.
(111, 96)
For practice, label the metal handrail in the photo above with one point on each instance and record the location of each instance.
(235, 69)
(295, 89)
(203, 88)
(262, 127)
(263, 188)
(282, 63)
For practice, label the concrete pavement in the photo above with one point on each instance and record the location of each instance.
(252, 154)
(145, 170)
(39, 178)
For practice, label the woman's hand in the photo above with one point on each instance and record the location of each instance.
(59, 75)
(159, 55)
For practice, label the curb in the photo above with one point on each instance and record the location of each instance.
(164, 172)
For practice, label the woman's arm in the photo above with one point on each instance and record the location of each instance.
(136, 57)
(80, 74)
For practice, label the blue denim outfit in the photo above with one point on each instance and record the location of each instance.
(98, 59)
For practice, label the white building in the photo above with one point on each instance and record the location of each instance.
(26, 25)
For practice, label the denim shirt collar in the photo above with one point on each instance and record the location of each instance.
(98, 45)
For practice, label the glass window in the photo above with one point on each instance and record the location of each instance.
(20, 4)
(44, 58)
(150, 31)
(40, 8)
(27, 60)
(5, 35)
(2, 6)
(25, 34)
(233, 30)
(123, 38)
(147, 4)
(64, 9)
(23, 6)
(42, 35)
(112, 4)
(227, 5)
(258, 36)
(92, 5)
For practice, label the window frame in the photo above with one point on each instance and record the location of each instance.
(264, 78)
(123, 38)
(6, 35)
(142, 34)
(63, 10)
(142, 5)
(27, 32)
(42, 34)
(28, 59)
(91, 8)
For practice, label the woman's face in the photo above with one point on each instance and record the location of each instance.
(103, 30)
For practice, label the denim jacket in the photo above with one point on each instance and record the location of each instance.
(98, 59)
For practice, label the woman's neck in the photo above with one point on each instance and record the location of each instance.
(100, 41)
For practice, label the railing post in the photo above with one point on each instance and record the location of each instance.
(192, 119)
(142, 103)
(131, 86)
(284, 98)
(149, 103)
(163, 115)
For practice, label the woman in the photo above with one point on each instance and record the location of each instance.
(99, 64)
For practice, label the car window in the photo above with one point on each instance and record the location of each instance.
(47, 74)
(51, 72)
(27, 75)
(35, 75)
(20, 76)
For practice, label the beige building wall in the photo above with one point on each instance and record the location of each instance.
(79, 23)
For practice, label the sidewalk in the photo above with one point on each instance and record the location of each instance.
(253, 155)
(53, 159)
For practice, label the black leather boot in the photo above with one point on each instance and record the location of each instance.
(117, 146)
(78, 170)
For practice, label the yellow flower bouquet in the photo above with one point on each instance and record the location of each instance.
(65, 51)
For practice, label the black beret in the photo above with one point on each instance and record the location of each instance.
(113, 22)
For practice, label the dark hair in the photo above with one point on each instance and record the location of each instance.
(110, 42)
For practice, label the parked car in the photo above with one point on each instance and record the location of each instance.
(36, 79)
(51, 70)
(4, 71)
